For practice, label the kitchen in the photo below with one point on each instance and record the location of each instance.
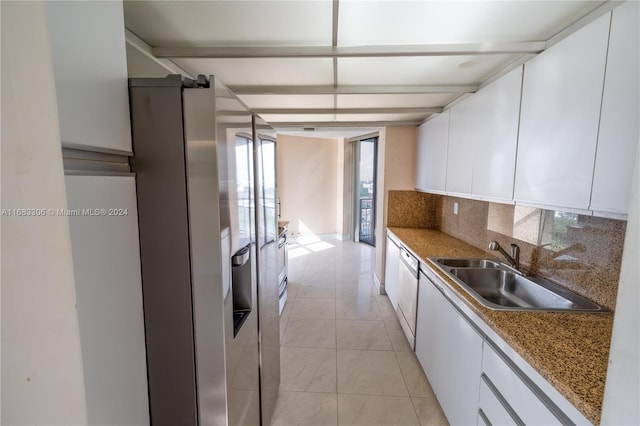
(66, 320)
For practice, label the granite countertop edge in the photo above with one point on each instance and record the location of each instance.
(569, 350)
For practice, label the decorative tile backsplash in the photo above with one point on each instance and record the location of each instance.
(582, 253)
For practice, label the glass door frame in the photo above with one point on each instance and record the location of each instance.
(355, 180)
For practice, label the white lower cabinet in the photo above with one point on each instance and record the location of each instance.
(391, 271)
(475, 382)
(492, 409)
(451, 349)
(459, 377)
(517, 393)
(429, 300)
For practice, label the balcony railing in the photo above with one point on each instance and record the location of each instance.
(366, 221)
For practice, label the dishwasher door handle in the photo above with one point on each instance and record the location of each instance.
(409, 261)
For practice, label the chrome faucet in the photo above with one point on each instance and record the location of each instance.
(514, 258)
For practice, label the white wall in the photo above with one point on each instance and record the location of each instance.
(106, 256)
(307, 184)
(343, 188)
(42, 379)
(622, 394)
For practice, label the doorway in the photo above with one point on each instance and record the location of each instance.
(365, 162)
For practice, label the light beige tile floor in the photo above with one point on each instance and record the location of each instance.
(344, 359)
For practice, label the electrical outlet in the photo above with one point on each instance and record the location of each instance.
(455, 208)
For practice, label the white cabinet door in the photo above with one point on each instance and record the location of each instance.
(90, 71)
(618, 137)
(483, 136)
(391, 272)
(493, 131)
(431, 166)
(106, 263)
(492, 408)
(561, 100)
(460, 149)
(517, 394)
(460, 346)
(429, 300)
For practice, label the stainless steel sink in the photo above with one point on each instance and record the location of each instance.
(497, 286)
(468, 263)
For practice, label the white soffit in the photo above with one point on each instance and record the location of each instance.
(411, 117)
(326, 133)
(395, 100)
(447, 70)
(263, 71)
(141, 66)
(297, 118)
(231, 23)
(288, 101)
(423, 22)
(229, 104)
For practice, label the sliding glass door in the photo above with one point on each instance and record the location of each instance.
(365, 194)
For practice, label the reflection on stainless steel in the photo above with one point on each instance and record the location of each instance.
(468, 263)
(503, 288)
(266, 226)
(197, 205)
(184, 268)
(241, 286)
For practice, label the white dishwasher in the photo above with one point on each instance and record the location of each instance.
(408, 295)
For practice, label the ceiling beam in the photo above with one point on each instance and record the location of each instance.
(350, 90)
(351, 51)
(298, 111)
(602, 9)
(332, 124)
(141, 46)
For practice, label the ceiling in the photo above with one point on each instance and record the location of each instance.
(346, 64)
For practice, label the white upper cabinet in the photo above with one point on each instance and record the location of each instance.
(431, 166)
(460, 150)
(561, 99)
(90, 69)
(483, 138)
(618, 137)
(496, 118)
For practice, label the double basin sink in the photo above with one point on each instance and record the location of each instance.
(497, 286)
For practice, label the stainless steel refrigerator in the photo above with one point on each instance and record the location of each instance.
(212, 352)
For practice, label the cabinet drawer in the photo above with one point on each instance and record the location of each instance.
(526, 403)
(494, 410)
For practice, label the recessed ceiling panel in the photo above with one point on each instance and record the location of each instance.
(230, 23)
(288, 101)
(396, 100)
(431, 70)
(263, 71)
(423, 22)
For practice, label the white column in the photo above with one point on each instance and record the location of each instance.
(621, 393)
(42, 377)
